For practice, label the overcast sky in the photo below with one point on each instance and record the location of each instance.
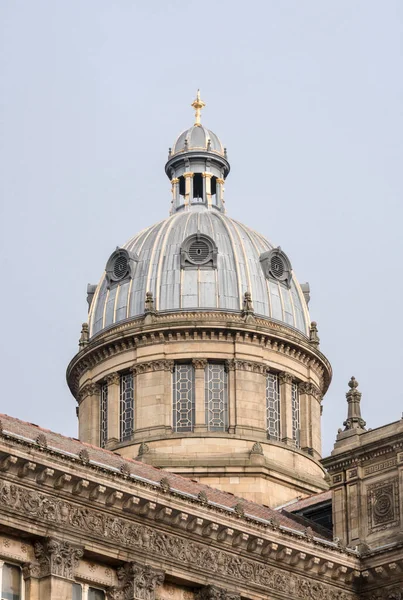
(306, 95)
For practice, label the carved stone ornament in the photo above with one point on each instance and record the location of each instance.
(136, 582)
(143, 449)
(152, 365)
(127, 534)
(41, 440)
(165, 485)
(313, 334)
(84, 337)
(354, 419)
(247, 304)
(285, 377)
(113, 379)
(257, 448)
(203, 498)
(57, 558)
(149, 307)
(200, 363)
(383, 504)
(84, 456)
(30, 569)
(212, 592)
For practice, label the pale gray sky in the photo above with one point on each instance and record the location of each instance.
(306, 95)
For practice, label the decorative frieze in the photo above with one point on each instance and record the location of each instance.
(57, 558)
(381, 466)
(60, 558)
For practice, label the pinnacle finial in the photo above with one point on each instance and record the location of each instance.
(198, 105)
(354, 419)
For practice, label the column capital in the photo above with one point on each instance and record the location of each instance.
(188, 174)
(113, 379)
(175, 180)
(285, 377)
(199, 363)
(219, 180)
(208, 175)
(57, 558)
(136, 582)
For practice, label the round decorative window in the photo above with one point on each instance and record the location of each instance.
(121, 266)
(199, 251)
(277, 266)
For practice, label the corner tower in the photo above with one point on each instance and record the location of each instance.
(199, 356)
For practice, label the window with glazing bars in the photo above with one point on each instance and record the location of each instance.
(216, 397)
(10, 582)
(126, 406)
(183, 398)
(103, 413)
(92, 593)
(272, 406)
(295, 413)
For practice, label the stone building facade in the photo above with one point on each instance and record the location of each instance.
(198, 472)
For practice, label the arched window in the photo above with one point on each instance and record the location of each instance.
(183, 397)
(216, 397)
(126, 406)
(272, 406)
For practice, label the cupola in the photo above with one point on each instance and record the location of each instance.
(197, 166)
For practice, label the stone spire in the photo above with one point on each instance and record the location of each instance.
(354, 419)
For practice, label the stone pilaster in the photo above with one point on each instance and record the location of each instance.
(188, 187)
(88, 413)
(136, 582)
(57, 563)
(220, 192)
(113, 381)
(175, 192)
(207, 187)
(286, 408)
(200, 365)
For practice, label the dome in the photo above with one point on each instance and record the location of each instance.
(197, 137)
(237, 265)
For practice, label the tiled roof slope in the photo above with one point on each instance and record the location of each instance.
(72, 446)
(307, 502)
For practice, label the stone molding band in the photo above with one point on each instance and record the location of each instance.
(98, 351)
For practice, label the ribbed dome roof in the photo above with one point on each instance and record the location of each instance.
(158, 270)
(197, 137)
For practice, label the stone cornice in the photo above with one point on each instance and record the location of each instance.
(199, 326)
(364, 453)
(240, 559)
(124, 492)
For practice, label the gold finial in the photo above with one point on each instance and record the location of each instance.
(198, 105)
